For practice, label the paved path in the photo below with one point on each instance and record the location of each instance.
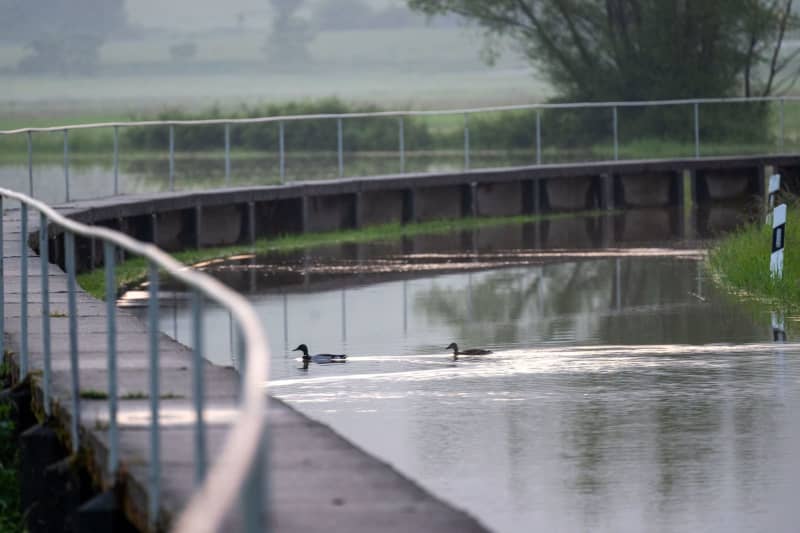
(319, 481)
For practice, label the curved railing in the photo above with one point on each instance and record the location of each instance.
(238, 468)
(693, 130)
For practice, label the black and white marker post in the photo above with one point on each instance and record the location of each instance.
(772, 193)
(778, 238)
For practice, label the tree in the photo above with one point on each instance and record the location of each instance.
(287, 43)
(62, 36)
(642, 49)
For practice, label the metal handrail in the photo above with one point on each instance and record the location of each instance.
(371, 114)
(234, 465)
(614, 128)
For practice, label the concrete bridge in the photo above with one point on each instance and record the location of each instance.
(178, 220)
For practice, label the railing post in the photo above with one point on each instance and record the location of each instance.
(155, 438)
(466, 141)
(402, 137)
(616, 133)
(44, 260)
(198, 392)
(72, 312)
(66, 163)
(116, 161)
(227, 154)
(281, 152)
(696, 129)
(111, 325)
(30, 163)
(171, 157)
(538, 136)
(23, 313)
(340, 146)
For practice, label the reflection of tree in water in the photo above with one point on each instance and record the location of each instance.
(505, 306)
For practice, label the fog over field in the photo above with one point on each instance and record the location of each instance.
(108, 57)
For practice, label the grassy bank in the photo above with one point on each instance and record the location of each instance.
(134, 270)
(740, 263)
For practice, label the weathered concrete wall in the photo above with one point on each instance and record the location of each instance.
(278, 217)
(657, 189)
(499, 199)
(738, 184)
(433, 203)
(169, 227)
(570, 194)
(380, 207)
(220, 225)
(330, 213)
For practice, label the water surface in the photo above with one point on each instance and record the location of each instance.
(625, 393)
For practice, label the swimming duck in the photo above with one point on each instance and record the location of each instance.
(471, 351)
(321, 358)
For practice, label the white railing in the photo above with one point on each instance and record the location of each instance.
(236, 472)
(614, 122)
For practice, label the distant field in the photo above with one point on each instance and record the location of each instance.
(399, 69)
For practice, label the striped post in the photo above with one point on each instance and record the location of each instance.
(772, 193)
(778, 239)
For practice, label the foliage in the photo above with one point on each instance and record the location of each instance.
(640, 49)
(740, 262)
(628, 50)
(357, 14)
(286, 46)
(71, 54)
(371, 134)
(63, 36)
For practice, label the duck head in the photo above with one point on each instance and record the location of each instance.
(452, 346)
(302, 348)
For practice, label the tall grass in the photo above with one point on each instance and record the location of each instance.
(740, 263)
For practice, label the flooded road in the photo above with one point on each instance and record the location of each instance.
(624, 392)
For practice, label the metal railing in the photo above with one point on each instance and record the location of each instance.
(615, 122)
(236, 474)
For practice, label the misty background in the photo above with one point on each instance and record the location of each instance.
(111, 57)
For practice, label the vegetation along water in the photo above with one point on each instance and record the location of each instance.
(740, 262)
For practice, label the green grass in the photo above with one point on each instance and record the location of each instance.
(134, 270)
(740, 263)
(93, 394)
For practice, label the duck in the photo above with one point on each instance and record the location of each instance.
(320, 358)
(471, 351)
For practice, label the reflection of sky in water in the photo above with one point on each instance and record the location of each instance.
(624, 392)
